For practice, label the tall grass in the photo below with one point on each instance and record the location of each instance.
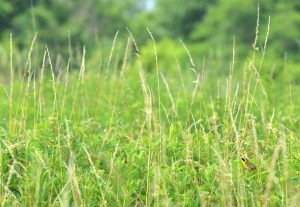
(127, 137)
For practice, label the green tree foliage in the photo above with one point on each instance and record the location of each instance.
(285, 29)
(237, 19)
(208, 25)
(175, 18)
(54, 19)
(225, 21)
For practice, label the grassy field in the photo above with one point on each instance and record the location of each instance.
(127, 136)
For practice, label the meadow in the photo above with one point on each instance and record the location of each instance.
(122, 134)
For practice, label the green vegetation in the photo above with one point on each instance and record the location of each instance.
(207, 27)
(149, 117)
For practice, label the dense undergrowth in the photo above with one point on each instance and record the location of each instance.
(127, 136)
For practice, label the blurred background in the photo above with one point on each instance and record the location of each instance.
(208, 28)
